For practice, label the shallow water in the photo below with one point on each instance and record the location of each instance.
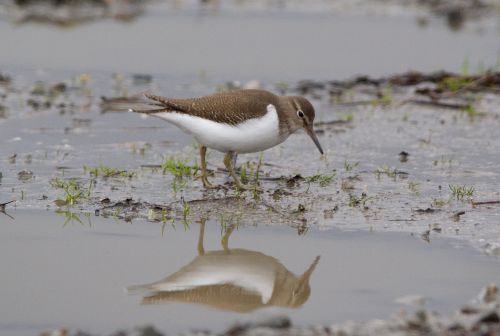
(234, 43)
(75, 274)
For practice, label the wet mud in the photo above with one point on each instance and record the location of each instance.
(429, 169)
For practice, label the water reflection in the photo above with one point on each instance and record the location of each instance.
(65, 14)
(4, 205)
(231, 279)
(74, 218)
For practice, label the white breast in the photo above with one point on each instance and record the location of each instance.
(254, 135)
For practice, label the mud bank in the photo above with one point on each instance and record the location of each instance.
(430, 168)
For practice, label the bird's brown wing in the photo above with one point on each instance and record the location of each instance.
(231, 107)
(224, 297)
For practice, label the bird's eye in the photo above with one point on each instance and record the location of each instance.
(300, 114)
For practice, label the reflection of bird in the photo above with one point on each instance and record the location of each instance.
(232, 279)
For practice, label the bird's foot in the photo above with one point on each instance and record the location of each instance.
(206, 182)
(228, 159)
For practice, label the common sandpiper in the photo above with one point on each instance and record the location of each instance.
(236, 122)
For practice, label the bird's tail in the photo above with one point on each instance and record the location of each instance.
(153, 105)
(142, 103)
(136, 103)
(168, 104)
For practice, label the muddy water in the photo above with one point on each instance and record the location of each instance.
(75, 274)
(59, 270)
(234, 43)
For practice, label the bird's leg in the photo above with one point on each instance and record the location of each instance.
(225, 239)
(228, 159)
(201, 249)
(234, 160)
(204, 179)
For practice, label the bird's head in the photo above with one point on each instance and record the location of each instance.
(301, 115)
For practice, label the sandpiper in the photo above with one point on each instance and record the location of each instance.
(236, 122)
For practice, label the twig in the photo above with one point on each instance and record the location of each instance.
(152, 166)
(402, 220)
(6, 214)
(485, 203)
(116, 173)
(271, 165)
(333, 122)
(271, 178)
(2, 205)
(356, 103)
(456, 215)
(433, 103)
(273, 209)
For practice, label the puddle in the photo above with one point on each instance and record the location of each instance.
(325, 43)
(74, 271)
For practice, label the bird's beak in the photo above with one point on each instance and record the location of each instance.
(310, 131)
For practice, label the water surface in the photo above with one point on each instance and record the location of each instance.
(75, 274)
(271, 45)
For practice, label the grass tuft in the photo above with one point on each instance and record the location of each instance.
(460, 192)
(413, 186)
(385, 170)
(106, 171)
(355, 201)
(350, 166)
(73, 192)
(454, 83)
(322, 179)
(179, 168)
